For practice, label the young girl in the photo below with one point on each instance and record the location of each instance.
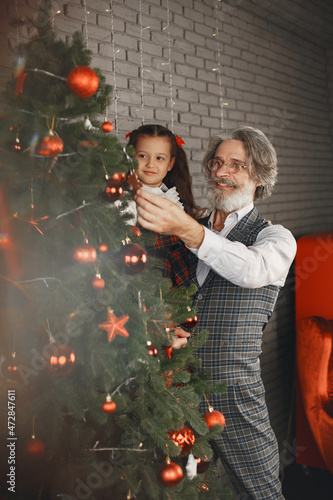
(163, 169)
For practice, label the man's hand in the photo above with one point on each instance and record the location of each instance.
(180, 338)
(162, 216)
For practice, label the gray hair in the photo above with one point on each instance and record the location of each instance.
(260, 157)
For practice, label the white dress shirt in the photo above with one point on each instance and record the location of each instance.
(266, 262)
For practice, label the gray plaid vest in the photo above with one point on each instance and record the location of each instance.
(234, 316)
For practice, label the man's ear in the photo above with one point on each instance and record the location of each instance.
(172, 162)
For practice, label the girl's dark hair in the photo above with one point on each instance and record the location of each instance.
(179, 175)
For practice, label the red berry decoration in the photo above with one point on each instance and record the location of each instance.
(190, 322)
(152, 351)
(168, 378)
(34, 447)
(107, 127)
(85, 254)
(82, 81)
(98, 283)
(50, 145)
(109, 406)
(134, 258)
(183, 438)
(170, 474)
(213, 417)
(113, 190)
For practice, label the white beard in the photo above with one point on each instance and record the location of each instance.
(241, 195)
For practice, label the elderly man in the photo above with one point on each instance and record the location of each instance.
(239, 261)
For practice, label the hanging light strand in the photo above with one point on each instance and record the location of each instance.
(141, 64)
(216, 34)
(116, 97)
(17, 28)
(167, 28)
(86, 23)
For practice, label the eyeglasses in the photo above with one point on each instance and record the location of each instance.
(233, 167)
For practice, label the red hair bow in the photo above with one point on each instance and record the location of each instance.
(179, 141)
(127, 135)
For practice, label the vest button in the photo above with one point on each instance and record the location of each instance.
(200, 297)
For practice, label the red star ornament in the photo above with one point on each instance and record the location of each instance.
(115, 326)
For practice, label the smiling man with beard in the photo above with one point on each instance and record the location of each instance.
(239, 261)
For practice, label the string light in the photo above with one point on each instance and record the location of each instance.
(172, 102)
(116, 97)
(218, 69)
(86, 22)
(141, 64)
(17, 29)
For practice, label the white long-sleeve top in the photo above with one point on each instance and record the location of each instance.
(266, 262)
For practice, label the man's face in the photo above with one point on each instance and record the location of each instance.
(228, 191)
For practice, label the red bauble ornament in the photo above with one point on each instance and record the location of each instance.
(82, 81)
(107, 127)
(134, 258)
(113, 190)
(190, 322)
(183, 438)
(103, 247)
(168, 351)
(50, 145)
(98, 282)
(202, 465)
(170, 474)
(34, 447)
(136, 231)
(120, 176)
(9, 368)
(152, 351)
(109, 406)
(60, 359)
(85, 254)
(213, 417)
(89, 144)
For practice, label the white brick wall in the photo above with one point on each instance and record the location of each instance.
(271, 79)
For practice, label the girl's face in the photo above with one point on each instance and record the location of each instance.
(154, 157)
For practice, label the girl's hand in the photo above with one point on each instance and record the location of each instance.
(180, 338)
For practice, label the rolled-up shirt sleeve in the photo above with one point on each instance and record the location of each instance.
(266, 262)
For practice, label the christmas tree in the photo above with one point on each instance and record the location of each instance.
(95, 402)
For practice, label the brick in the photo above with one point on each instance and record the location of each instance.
(175, 56)
(189, 118)
(104, 21)
(196, 85)
(135, 85)
(194, 61)
(184, 46)
(194, 15)
(178, 81)
(148, 113)
(184, 70)
(180, 20)
(188, 95)
(194, 38)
